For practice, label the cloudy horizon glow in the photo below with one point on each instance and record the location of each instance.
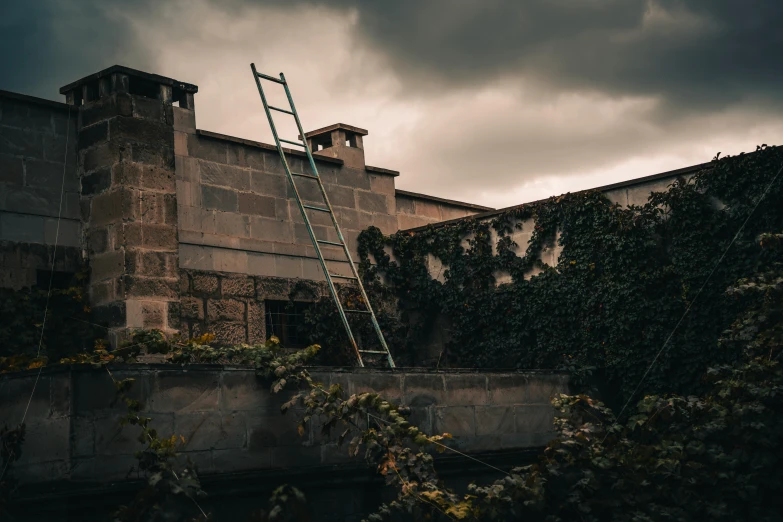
(494, 102)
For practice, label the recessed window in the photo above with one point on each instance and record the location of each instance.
(285, 321)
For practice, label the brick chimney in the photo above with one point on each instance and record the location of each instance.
(126, 142)
(339, 141)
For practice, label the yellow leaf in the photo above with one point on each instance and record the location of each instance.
(300, 429)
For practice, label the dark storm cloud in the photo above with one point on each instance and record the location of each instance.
(45, 44)
(691, 53)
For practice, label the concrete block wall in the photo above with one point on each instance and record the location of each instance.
(37, 164)
(418, 210)
(232, 423)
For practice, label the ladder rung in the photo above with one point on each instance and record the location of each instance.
(317, 208)
(356, 311)
(373, 351)
(329, 242)
(278, 109)
(298, 144)
(270, 78)
(305, 175)
(343, 277)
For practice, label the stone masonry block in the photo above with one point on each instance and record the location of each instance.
(257, 205)
(340, 196)
(241, 391)
(424, 390)
(541, 389)
(228, 333)
(386, 223)
(205, 284)
(177, 391)
(287, 266)
(192, 308)
(136, 286)
(207, 149)
(238, 286)
(459, 421)
(93, 391)
(225, 310)
(268, 184)
(187, 169)
(371, 202)
(113, 439)
(405, 205)
(273, 431)
(210, 430)
(507, 389)
(160, 154)
(138, 130)
(270, 229)
(162, 237)
(286, 457)
(428, 209)
(232, 460)
(184, 120)
(103, 155)
(272, 288)
(146, 314)
(354, 178)
(256, 327)
(219, 198)
(16, 142)
(535, 418)
(151, 263)
(231, 224)
(96, 182)
(389, 386)
(11, 170)
(466, 390)
(39, 173)
(107, 266)
(495, 420)
(46, 440)
(224, 175)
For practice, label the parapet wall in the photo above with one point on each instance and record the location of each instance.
(34, 137)
(232, 423)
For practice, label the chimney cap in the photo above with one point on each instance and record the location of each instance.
(330, 128)
(154, 78)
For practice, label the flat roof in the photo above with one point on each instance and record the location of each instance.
(155, 78)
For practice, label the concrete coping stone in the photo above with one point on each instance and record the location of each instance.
(265, 146)
(185, 368)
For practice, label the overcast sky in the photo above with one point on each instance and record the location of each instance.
(496, 102)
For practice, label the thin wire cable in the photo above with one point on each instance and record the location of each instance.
(688, 309)
(450, 449)
(51, 277)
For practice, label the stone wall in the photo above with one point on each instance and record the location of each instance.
(33, 135)
(231, 306)
(231, 423)
(237, 211)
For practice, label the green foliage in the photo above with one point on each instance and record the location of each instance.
(69, 329)
(623, 280)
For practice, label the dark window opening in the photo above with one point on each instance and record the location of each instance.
(285, 321)
(60, 280)
(142, 87)
(350, 140)
(321, 142)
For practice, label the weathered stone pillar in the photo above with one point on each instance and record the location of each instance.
(128, 196)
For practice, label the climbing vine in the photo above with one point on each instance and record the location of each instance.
(623, 279)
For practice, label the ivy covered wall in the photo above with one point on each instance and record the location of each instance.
(623, 279)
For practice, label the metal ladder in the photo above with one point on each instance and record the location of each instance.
(327, 209)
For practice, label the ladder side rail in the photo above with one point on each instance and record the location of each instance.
(375, 324)
(301, 206)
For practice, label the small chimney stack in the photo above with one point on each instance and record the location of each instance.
(339, 141)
